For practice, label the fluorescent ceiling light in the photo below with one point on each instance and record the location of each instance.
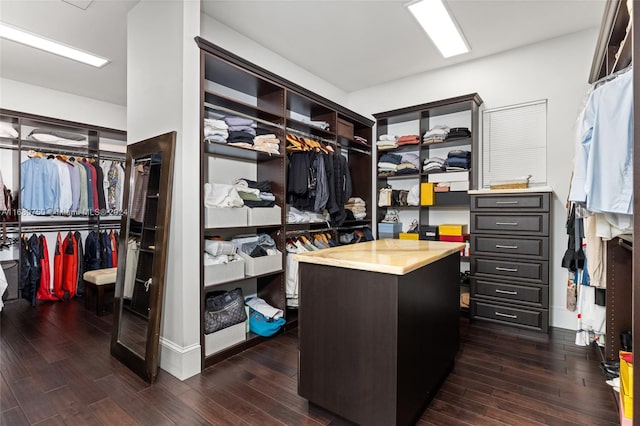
(434, 18)
(20, 36)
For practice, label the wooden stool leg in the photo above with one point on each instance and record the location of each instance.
(100, 301)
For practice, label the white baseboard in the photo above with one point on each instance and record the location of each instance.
(560, 317)
(181, 362)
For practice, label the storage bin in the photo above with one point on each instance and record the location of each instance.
(222, 339)
(427, 197)
(224, 272)
(626, 370)
(225, 217)
(260, 216)
(454, 238)
(390, 228)
(453, 229)
(409, 236)
(429, 232)
(345, 129)
(261, 265)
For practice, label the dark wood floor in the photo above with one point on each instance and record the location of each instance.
(56, 369)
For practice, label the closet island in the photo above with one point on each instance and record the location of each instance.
(378, 327)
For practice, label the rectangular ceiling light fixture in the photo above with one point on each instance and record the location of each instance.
(436, 21)
(12, 33)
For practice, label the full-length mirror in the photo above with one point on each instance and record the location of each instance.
(142, 254)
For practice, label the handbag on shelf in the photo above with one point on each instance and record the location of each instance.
(263, 326)
(223, 309)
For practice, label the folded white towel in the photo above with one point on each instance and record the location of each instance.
(264, 308)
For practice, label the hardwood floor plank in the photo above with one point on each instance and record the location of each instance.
(13, 417)
(52, 421)
(7, 400)
(213, 412)
(35, 405)
(108, 412)
(171, 406)
(502, 376)
(127, 398)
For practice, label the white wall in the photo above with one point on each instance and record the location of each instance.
(221, 35)
(27, 98)
(556, 70)
(163, 74)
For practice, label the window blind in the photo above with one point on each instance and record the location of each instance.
(514, 143)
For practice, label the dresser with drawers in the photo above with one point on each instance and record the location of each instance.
(510, 258)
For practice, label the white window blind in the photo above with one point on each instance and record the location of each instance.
(514, 143)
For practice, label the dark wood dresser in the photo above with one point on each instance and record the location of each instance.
(510, 258)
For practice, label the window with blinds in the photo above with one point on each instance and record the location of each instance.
(514, 143)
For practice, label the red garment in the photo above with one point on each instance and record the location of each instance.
(94, 185)
(44, 289)
(70, 264)
(57, 269)
(114, 249)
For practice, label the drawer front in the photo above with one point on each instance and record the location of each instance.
(536, 272)
(530, 224)
(537, 296)
(538, 202)
(527, 318)
(528, 248)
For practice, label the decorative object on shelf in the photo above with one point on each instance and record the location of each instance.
(223, 309)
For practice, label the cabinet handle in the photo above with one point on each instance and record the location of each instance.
(507, 223)
(506, 247)
(507, 202)
(500, 314)
(513, 293)
(500, 268)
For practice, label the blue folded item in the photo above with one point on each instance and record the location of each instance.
(263, 326)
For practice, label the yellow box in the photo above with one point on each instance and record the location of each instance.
(408, 236)
(452, 229)
(626, 373)
(427, 197)
(627, 402)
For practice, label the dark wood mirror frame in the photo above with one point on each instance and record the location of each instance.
(145, 366)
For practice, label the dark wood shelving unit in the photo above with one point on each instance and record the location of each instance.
(232, 85)
(424, 115)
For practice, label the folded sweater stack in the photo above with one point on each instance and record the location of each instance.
(387, 142)
(267, 143)
(358, 207)
(215, 130)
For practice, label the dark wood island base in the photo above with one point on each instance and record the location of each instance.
(375, 347)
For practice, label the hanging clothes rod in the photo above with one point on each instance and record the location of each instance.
(349, 148)
(310, 136)
(67, 152)
(6, 145)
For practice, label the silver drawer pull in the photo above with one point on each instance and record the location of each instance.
(507, 223)
(513, 293)
(500, 314)
(499, 268)
(507, 202)
(506, 247)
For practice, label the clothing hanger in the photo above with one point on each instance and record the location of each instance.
(612, 76)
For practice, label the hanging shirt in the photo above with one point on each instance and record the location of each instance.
(65, 196)
(83, 205)
(120, 190)
(603, 172)
(39, 186)
(3, 205)
(74, 176)
(89, 186)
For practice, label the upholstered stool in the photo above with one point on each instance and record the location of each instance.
(96, 284)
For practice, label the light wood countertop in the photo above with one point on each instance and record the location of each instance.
(510, 191)
(389, 256)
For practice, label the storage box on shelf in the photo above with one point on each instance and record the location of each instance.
(262, 216)
(509, 259)
(224, 272)
(231, 85)
(222, 339)
(221, 217)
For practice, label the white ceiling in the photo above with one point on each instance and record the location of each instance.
(351, 44)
